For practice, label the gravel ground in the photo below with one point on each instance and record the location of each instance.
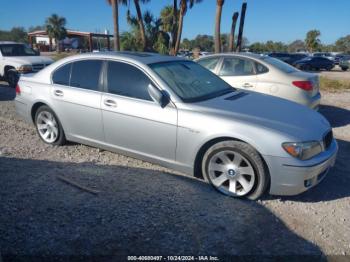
(144, 209)
(336, 74)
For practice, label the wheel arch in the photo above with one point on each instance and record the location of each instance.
(35, 108)
(213, 141)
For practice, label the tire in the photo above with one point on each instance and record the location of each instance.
(12, 77)
(48, 124)
(344, 68)
(307, 68)
(222, 168)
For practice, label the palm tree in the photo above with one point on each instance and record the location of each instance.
(219, 5)
(55, 28)
(233, 29)
(183, 9)
(115, 6)
(140, 21)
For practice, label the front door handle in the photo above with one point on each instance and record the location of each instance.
(110, 103)
(58, 93)
(247, 85)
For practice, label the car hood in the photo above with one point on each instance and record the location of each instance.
(269, 112)
(25, 60)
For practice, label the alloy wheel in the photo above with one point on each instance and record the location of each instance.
(231, 173)
(47, 126)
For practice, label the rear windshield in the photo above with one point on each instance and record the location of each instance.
(279, 64)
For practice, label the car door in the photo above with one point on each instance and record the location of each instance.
(132, 120)
(238, 72)
(77, 99)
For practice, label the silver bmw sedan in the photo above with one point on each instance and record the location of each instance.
(180, 115)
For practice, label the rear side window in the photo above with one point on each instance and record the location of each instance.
(235, 66)
(209, 63)
(61, 75)
(127, 80)
(86, 74)
(260, 69)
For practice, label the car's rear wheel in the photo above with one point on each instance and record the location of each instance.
(235, 169)
(12, 77)
(344, 68)
(49, 127)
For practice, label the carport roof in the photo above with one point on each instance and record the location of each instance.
(70, 32)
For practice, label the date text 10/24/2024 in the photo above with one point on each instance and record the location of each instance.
(173, 258)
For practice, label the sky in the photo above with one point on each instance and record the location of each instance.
(277, 20)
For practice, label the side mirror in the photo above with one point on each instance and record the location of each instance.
(161, 97)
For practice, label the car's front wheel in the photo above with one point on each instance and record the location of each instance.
(344, 68)
(236, 169)
(49, 127)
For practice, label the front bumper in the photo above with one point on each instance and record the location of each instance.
(291, 176)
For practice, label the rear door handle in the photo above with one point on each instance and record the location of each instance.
(247, 85)
(58, 93)
(110, 103)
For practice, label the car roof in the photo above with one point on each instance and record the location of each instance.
(248, 55)
(141, 57)
(9, 42)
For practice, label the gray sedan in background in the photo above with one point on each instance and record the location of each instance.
(265, 74)
(178, 114)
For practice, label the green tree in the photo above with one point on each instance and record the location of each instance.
(204, 43)
(297, 45)
(140, 21)
(115, 10)
(343, 44)
(128, 42)
(16, 34)
(157, 40)
(312, 40)
(186, 44)
(257, 47)
(19, 34)
(169, 23)
(55, 28)
(219, 5)
(184, 4)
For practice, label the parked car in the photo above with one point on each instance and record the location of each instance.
(178, 114)
(314, 63)
(337, 58)
(17, 58)
(325, 55)
(344, 63)
(288, 57)
(266, 75)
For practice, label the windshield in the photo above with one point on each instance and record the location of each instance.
(16, 50)
(279, 64)
(190, 81)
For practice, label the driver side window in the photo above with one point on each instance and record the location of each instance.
(127, 80)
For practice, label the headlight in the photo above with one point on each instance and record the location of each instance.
(303, 150)
(25, 69)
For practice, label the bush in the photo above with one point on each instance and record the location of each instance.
(333, 85)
